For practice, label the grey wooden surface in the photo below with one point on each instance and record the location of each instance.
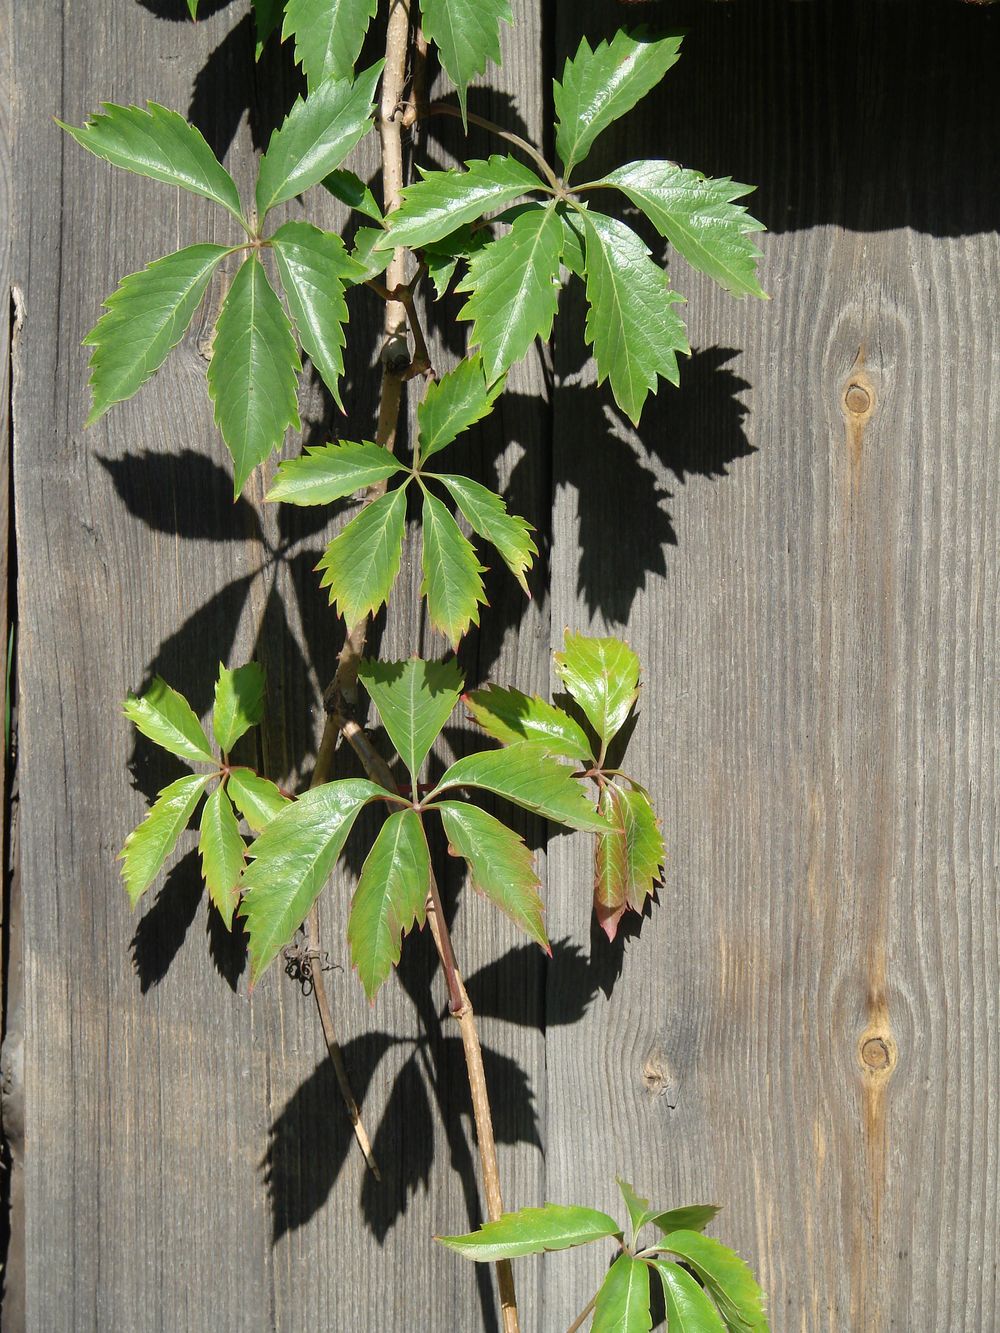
(804, 1027)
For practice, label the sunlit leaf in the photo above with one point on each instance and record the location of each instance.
(364, 253)
(610, 865)
(223, 853)
(529, 776)
(510, 716)
(328, 472)
(639, 1211)
(500, 865)
(414, 700)
(148, 846)
(257, 799)
(360, 565)
(727, 1277)
(239, 703)
(451, 583)
(467, 34)
(689, 1309)
(454, 403)
(629, 858)
(445, 200)
(644, 846)
(623, 1301)
(602, 675)
(167, 718)
(533, 1231)
(329, 35)
(487, 515)
(389, 899)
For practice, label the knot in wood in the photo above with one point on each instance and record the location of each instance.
(857, 399)
(875, 1054)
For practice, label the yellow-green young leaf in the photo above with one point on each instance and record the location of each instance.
(629, 858)
(167, 718)
(414, 700)
(315, 267)
(328, 472)
(457, 401)
(293, 858)
(727, 1277)
(239, 703)
(445, 200)
(160, 144)
(451, 583)
(631, 323)
(252, 374)
(193, 8)
(500, 865)
(695, 1217)
(146, 316)
(528, 775)
(688, 1308)
(643, 846)
(602, 675)
(610, 865)
(554, 1226)
(639, 1211)
(315, 137)
(257, 800)
(486, 514)
(223, 853)
(360, 565)
(329, 35)
(510, 716)
(514, 285)
(600, 85)
(266, 16)
(351, 190)
(389, 899)
(467, 35)
(623, 1301)
(699, 218)
(148, 846)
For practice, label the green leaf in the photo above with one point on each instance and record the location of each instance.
(695, 1217)
(514, 283)
(451, 581)
(602, 675)
(688, 1308)
(239, 703)
(699, 218)
(266, 16)
(500, 865)
(315, 137)
(364, 253)
(414, 700)
(623, 1301)
(727, 1277)
(610, 865)
(167, 718)
(486, 514)
(631, 323)
(639, 1211)
(252, 374)
(441, 257)
(389, 898)
(600, 85)
(454, 403)
(257, 800)
(510, 716)
(146, 316)
(223, 853)
(328, 472)
(193, 8)
(573, 241)
(360, 565)
(314, 268)
(148, 846)
(293, 858)
(644, 847)
(445, 200)
(352, 191)
(554, 1226)
(629, 858)
(527, 775)
(329, 35)
(467, 34)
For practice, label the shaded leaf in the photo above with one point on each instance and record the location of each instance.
(441, 257)
(389, 898)
(451, 582)
(146, 316)
(329, 35)
(328, 472)
(193, 8)
(695, 1217)
(167, 718)
(445, 200)
(500, 865)
(239, 703)
(364, 253)
(602, 675)
(266, 16)
(639, 1211)
(573, 241)
(487, 515)
(623, 1301)
(554, 1226)
(257, 799)
(527, 775)
(510, 716)
(467, 34)
(148, 846)
(727, 1277)
(360, 565)
(629, 858)
(414, 700)
(223, 853)
(688, 1308)
(454, 403)
(252, 374)
(352, 191)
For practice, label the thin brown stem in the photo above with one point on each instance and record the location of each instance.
(578, 1322)
(529, 149)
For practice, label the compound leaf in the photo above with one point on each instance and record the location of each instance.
(315, 268)
(162, 145)
(146, 316)
(329, 35)
(167, 718)
(528, 775)
(252, 374)
(699, 218)
(293, 858)
(602, 675)
(360, 565)
(457, 401)
(623, 1301)
(727, 1277)
(389, 898)
(600, 85)
(695, 1217)
(487, 515)
(315, 137)
(239, 703)
(510, 716)
(223, 853)
(514, 289)
(451, 582)
(445, 200)
(328, 472)
(500, 865)
(148, 846)
(631, 323)
(688, 1308)
(554, 1226)
(467, 34)
(257, 799)
(414, 700)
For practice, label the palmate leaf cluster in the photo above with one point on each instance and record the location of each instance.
(707, 1288)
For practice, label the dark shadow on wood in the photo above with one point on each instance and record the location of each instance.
(229, 949)
(177, 10)
(162, 930)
